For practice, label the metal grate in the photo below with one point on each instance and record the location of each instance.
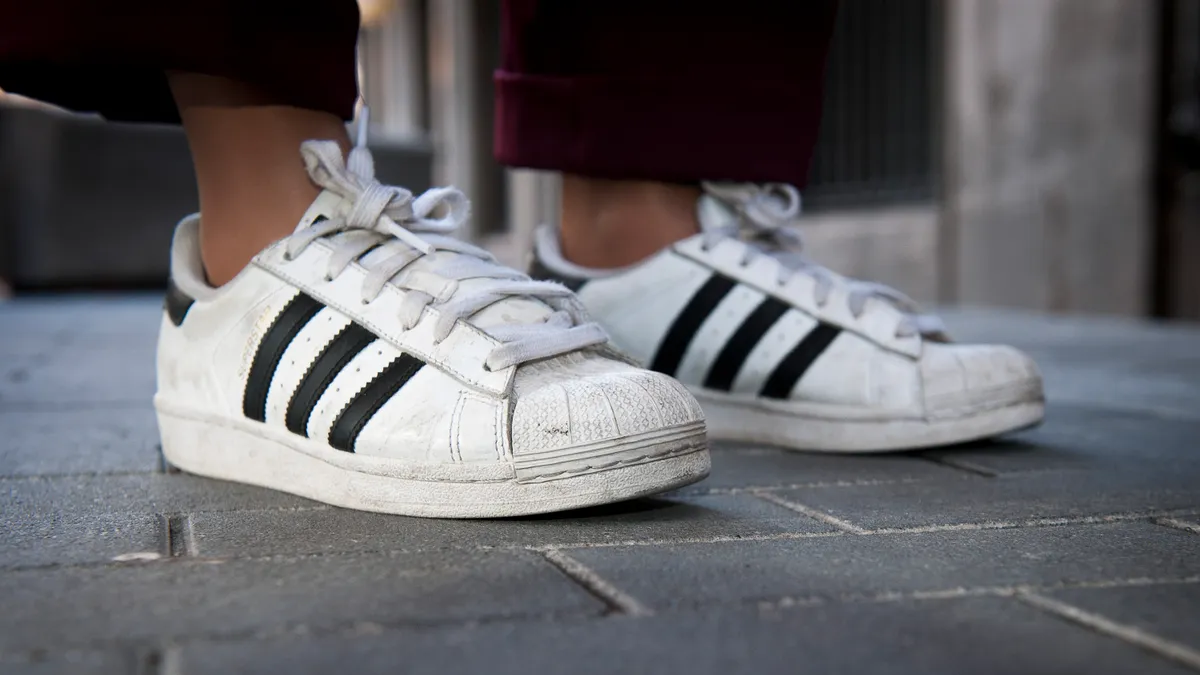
(877, 144)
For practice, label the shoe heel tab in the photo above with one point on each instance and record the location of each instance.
(177, 303)
(187, 268)
(546, 262)
(187, 280)
(538, 270)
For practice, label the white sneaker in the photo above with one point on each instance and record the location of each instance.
(372, 361)
(780, 350)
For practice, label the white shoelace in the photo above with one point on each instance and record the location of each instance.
(767, 213)
(389, 220)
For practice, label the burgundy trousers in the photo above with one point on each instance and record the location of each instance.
(633, 89)
(110, 57)
(669, 91)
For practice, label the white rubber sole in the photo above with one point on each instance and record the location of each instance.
(246, 451)
(823, 428)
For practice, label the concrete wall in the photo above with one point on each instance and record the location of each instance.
(1048, 123)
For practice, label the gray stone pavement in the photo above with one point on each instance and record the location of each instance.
(1073, 548)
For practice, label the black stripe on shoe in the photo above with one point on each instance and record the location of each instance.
(538, 270)
(177, 303)
(797, 362)
(283, 330)
(350, 422)
(333, 358)
(683, 329)
(733, 355)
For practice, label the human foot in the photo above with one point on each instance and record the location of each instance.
(372, 361)
(781, 350)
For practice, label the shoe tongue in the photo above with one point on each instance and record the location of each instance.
(513, 310)
(712, 213)
(326, 206)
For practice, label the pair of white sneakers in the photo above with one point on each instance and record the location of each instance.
(370, 360)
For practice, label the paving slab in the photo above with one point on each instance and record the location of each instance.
(19, 348)
(1115, 363)
(231, 533)
(79, 662)
(79, 377)
(74, 441)
(1167, 610)
(1049, 495)
(1083, 437)
(904, 555)
(77, 537)
(136, 493)
(67, 352)
(988, 636)
(689, 575)
(742, 467)
(83, 318)
(147, 603)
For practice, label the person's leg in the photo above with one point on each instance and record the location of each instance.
(684, 137)
(318, 370)
(252, 182)
(637, 102)
(613, 223)
(251, 81)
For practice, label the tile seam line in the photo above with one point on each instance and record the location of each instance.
(351, 628)
(851, 528)
(570, 546)
(595, 584)
(1103, 625)
(933, 595)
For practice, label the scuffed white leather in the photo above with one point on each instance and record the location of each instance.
(867, 368)
(715, 332)
(775, 344)
(632, 305)
(954, 376)
(462, 354)
(878, 323)
(453, 411)
(416, 424)
(298, 358)
(596, 407)
(364, 367)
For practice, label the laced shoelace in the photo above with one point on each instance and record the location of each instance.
(766, 214)
(398, 230)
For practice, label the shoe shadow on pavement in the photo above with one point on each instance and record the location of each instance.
(989, 446)
(1012, 447)
(1000, 455)
(645, 508)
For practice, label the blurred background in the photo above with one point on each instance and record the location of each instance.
(1038, 154)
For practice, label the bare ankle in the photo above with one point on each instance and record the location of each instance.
(246, 151)
(228, 241)
(609, 223)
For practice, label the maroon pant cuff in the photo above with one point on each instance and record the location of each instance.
(93, 56)
(664, 129)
